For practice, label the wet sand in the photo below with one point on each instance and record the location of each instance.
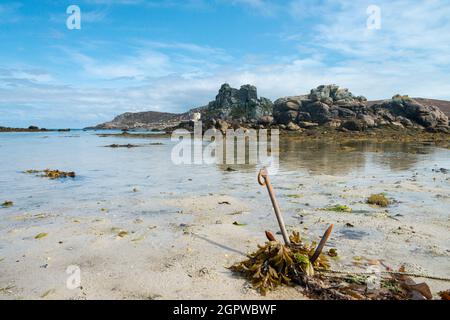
(184, 258)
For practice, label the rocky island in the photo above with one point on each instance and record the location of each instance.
(327, 109)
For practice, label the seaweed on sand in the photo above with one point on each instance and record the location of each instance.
(275, 264)
(339, 208)
(379, 200)
(129, 145)
(445, 295)
(52, 174)
(7, 204)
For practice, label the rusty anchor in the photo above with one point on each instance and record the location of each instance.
(322, 242)
(264, 180)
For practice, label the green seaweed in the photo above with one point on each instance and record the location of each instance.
(122, 234)
(339, 208)
(379, 200)
(41, 235)
(356, 279)
(295, 196)
(332, 252)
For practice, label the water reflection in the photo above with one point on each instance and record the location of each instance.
(343, 158)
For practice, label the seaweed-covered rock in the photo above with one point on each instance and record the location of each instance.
(354, 125)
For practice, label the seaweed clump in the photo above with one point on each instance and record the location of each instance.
(445, 295)
(7, 204)
(275, 264)
(129, 145)
(379, 200)
(52, 174)
(339, 208)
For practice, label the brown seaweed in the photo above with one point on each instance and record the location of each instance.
(7, 204)
(52, 174)
(378, 200)
(276, 264)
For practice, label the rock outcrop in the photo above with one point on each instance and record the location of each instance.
(238, 104)
(325, 106)
(409, 112)
(322, 105)
(334, 107)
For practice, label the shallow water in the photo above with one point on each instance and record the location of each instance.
(109, 175)
(312, 176)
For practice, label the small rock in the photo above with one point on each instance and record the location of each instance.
(292, 127)
(348, 224)
(307, 125)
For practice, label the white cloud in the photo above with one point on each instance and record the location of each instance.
(413, 31)
(32, 75)
(146, 61)
(146, 64)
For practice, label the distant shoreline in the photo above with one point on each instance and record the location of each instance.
(11, 129)
(32, 129)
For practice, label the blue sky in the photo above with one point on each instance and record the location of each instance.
(169, 55)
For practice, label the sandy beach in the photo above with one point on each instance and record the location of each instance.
(205, 154)
(178, 242)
